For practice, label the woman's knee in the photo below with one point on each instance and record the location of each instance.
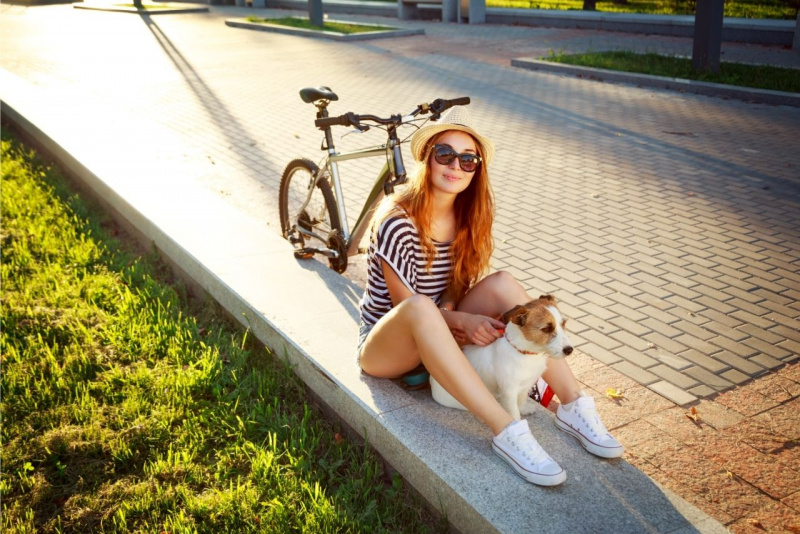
(419, 308)
(502, 283)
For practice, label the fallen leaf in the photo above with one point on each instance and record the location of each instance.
(613, 393)
(337, 438)
(693, 414)
(729, 474)
(756, 523)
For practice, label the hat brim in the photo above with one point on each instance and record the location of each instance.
(421, 137)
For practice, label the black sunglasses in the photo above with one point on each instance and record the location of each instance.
(444, 155)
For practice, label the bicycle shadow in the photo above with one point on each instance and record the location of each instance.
(237, 136)
(347, 292)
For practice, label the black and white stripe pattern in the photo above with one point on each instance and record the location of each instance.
(398, 244)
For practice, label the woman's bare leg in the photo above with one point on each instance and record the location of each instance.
(413, 332)
(498, 293)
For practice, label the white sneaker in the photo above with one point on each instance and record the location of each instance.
(583, 422)
(517, 446)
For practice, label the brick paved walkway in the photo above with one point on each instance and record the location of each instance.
(667, 224)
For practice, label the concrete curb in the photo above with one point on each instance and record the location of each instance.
(159, 11)
(759, 96)
(761, 31)
(444, 454)
(366, 36)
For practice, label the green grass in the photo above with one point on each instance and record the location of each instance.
(767, 9)
(758, 76)
(337, 27)
(129, 407)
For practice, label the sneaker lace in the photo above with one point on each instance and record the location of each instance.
(528, 447)
(594, 424)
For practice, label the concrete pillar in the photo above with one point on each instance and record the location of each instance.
(449, 10)
(707, 35)
(473, 11)
(407, 11)
(315, 12)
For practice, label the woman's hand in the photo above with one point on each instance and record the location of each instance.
(478, 330)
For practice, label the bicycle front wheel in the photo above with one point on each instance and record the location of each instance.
(313, 220)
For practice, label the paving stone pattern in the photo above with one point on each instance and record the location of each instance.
(668, 225)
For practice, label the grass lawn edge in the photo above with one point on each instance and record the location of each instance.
(324, 34)
(748, 94)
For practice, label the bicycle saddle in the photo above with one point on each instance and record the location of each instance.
(312, 94)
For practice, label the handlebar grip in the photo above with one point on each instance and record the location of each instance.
(461, 101)
(440, 105)
(341, 120)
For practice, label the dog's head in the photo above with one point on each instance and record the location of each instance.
(538, 326)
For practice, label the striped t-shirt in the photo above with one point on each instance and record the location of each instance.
(397, 243)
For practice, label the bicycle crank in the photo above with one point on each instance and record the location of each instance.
(338, 262)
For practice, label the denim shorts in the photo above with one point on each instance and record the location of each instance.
(363, 331)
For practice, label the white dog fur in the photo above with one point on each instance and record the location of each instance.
(512, 364)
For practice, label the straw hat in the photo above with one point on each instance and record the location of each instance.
(455, 118)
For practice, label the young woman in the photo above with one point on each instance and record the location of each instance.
(426, 295)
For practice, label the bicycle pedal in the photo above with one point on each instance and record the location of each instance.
(303, 254)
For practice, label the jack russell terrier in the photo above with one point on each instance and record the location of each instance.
(512, 364)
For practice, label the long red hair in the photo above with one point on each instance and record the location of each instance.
(474, 213)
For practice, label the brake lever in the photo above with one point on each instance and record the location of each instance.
(361, 128)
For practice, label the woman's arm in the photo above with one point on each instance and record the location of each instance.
(398, 290)
(467, 328)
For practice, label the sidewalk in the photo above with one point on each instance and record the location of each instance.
(667, 219)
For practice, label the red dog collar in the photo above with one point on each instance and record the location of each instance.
(518, 349)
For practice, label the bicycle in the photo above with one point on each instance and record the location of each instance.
(313, 210)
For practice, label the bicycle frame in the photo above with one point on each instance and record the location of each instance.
(353, 239)
(394, 165)
(375, 195)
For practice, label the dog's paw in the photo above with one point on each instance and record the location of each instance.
(528, 407)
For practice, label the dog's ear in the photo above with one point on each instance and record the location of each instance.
(548, 298)
(517, 315)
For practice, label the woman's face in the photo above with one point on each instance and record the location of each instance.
(451, 178)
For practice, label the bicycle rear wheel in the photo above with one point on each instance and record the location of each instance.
(319, 217)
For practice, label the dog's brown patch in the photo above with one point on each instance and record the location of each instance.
(534, 319)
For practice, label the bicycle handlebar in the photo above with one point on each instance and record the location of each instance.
(437, 107)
